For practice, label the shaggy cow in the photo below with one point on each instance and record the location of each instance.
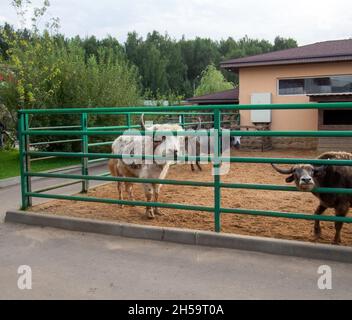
(166, 146)
(308, 177)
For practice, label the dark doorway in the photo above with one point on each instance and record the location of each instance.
(337, 117)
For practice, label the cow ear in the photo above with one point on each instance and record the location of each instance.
(318, 171)
(290, 178)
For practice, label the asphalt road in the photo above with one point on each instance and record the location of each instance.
(74, 265)
(68, 265)
(10, 197)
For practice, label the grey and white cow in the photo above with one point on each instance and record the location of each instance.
(159, 145)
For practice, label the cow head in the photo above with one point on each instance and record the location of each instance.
(236, 142)
(303, 175)
(164, 145)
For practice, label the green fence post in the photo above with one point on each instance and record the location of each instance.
(27, 158)
(238, 119)
(128, 120)
(84, 161)
(181, 120)
(25, 201)
(216, 169)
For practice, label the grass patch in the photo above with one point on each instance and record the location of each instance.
(10, 164)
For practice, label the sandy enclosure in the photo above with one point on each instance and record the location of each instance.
(231, 198)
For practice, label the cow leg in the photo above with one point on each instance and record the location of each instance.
(156, 197)
(339, 212)
(115, 173)
(317, 230)
(198, 154)
(129, 190)
(192, 167)
(119, 190)
(148, 190)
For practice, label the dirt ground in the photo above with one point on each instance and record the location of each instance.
(231, 198)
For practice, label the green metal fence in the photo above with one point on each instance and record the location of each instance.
(84, 133)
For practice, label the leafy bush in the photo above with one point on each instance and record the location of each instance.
(50, 72)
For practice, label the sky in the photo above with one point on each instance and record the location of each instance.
(307, 21)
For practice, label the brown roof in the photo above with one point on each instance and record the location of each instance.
(222, 97)
(328, 51)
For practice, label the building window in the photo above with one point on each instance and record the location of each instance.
(331, 84)
(291, 86)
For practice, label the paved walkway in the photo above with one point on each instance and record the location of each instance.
(89, 266)
(69, 265)
(10, 197)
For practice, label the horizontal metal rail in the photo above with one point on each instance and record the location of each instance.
(124, 202)
(63, 169)
(105, 174)
(124, 179)
(55, 127)
(97, 160)
(204, 122)
(288, 215)
(194, 207)
(105, 143)
(194, 158)
(188, 183)
(42, 158)
(113, 127)
(124, 110)
(57, 186)
(52, 142)
(173, 113)
(327, 133)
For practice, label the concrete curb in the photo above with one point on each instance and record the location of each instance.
(185, 236)
(9, 182)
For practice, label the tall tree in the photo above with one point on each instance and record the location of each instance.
(212, 80)
(282, 43)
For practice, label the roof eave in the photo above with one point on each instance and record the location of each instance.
(236, 66)
(211, 100)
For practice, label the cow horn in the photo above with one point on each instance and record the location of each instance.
(142, 121)
(283, 171)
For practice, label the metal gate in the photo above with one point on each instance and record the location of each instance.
(83, 134)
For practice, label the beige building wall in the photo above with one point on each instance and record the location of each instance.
(264, 79)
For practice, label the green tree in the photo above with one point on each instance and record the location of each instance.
(282, 43)
(162, 66)
(45, 70)
(212, 80)
(197, 55)
(159, 61)
(153, 69)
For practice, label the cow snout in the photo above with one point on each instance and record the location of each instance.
(306, 180)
